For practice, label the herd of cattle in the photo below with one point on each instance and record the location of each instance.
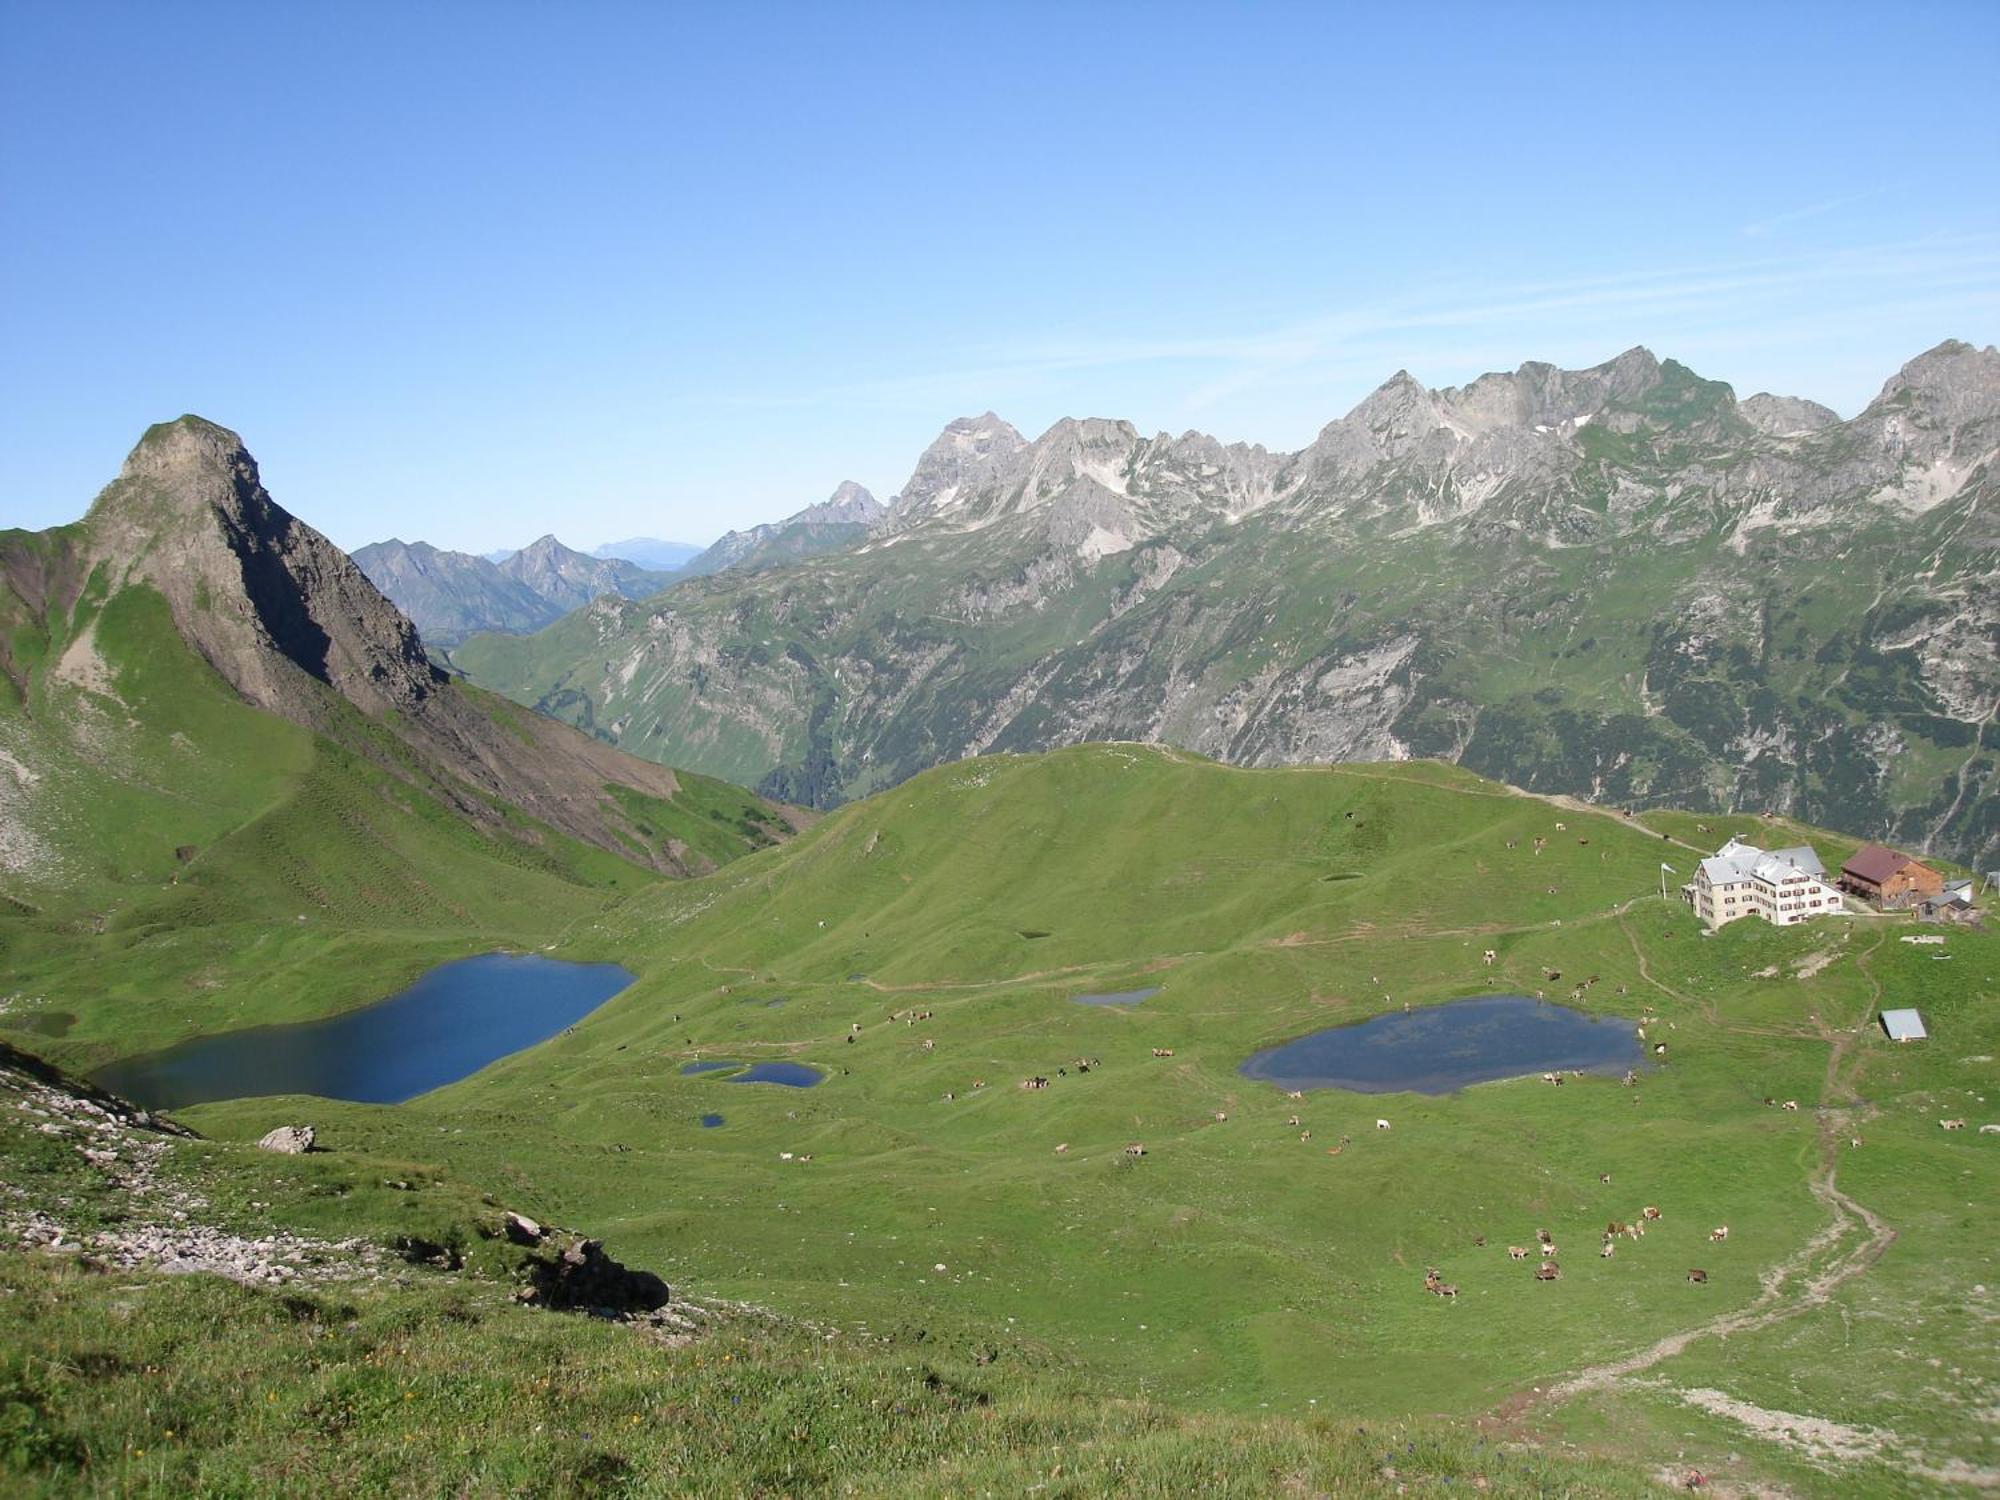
(1545, 1251)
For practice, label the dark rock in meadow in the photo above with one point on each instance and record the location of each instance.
(582, 1278)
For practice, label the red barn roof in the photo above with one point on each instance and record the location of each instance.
(1874, 864)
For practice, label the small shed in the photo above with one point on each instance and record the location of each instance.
(1903, 1025)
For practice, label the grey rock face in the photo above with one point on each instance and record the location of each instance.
(290, 1140)
(1786, 416)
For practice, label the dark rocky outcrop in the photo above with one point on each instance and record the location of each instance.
(572, 1274)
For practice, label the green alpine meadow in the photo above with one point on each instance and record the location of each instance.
(924, 1152)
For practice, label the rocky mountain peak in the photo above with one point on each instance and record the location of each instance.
(1954, 382)
(256, 591)
(186, 445)
(850, 504)
(966, 448)
(1786, 416)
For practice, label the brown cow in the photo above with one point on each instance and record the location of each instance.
(1720, 1232)
(1649, 1212)
(1548, 1270)
(1698, 1277)
(1517, 1252)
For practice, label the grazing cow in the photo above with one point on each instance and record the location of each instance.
(1952, 1124)
(1552, 975)
(1293, 1121)
(1305, 1135)
(855, 1027)
(784, 1156)
(1719, 1233)
(1649, 1212)
(1135, 1149)
(1381, 1124)
(1490, 956)
(805, 1156)
(1659, 1049)
(1604, 1177)
(1163, 1052)
(1221, 1115)
(979, 1083)
(1479, 1239)
(1698, 1276)
(1294, 1093)
(1614, 1227)
(1517, 1252)
(1548, 1270)
(1635, 1231)
(1610, 1249)
(929, 1045)
(1543, 1235)
(1446, 1289)
(1562, 828)
(1791, 1104)
(949, 1096)
(1062, 1148)
(1513, 843)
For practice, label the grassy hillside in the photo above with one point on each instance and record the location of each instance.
(369, 1373)
(192, 862)
(1237, 1267)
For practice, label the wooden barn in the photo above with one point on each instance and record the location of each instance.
(1881, 875)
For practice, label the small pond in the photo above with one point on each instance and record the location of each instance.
(709, 1122)
(792, 1075)
(450, 1023)
(1440, 1048)
(1117, 997)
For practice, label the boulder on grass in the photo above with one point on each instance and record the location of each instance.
(582, 1278)
(292, 1140)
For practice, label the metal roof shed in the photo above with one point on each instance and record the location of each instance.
(1903, 1025)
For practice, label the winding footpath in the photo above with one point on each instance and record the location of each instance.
(1853, 1239)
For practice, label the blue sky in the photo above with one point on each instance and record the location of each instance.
(472, 273)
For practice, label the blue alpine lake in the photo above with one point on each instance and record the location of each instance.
(792, 1075)
(449, 1024)
(1440, 1048)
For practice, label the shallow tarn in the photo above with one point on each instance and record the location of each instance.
(1117, 997)
(1440, 1048)
(447, 1025)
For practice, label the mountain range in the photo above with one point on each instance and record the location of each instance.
(1620, 582)
(449, 595)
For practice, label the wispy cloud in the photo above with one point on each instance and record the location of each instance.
(1760, 228)
(1446, 329)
